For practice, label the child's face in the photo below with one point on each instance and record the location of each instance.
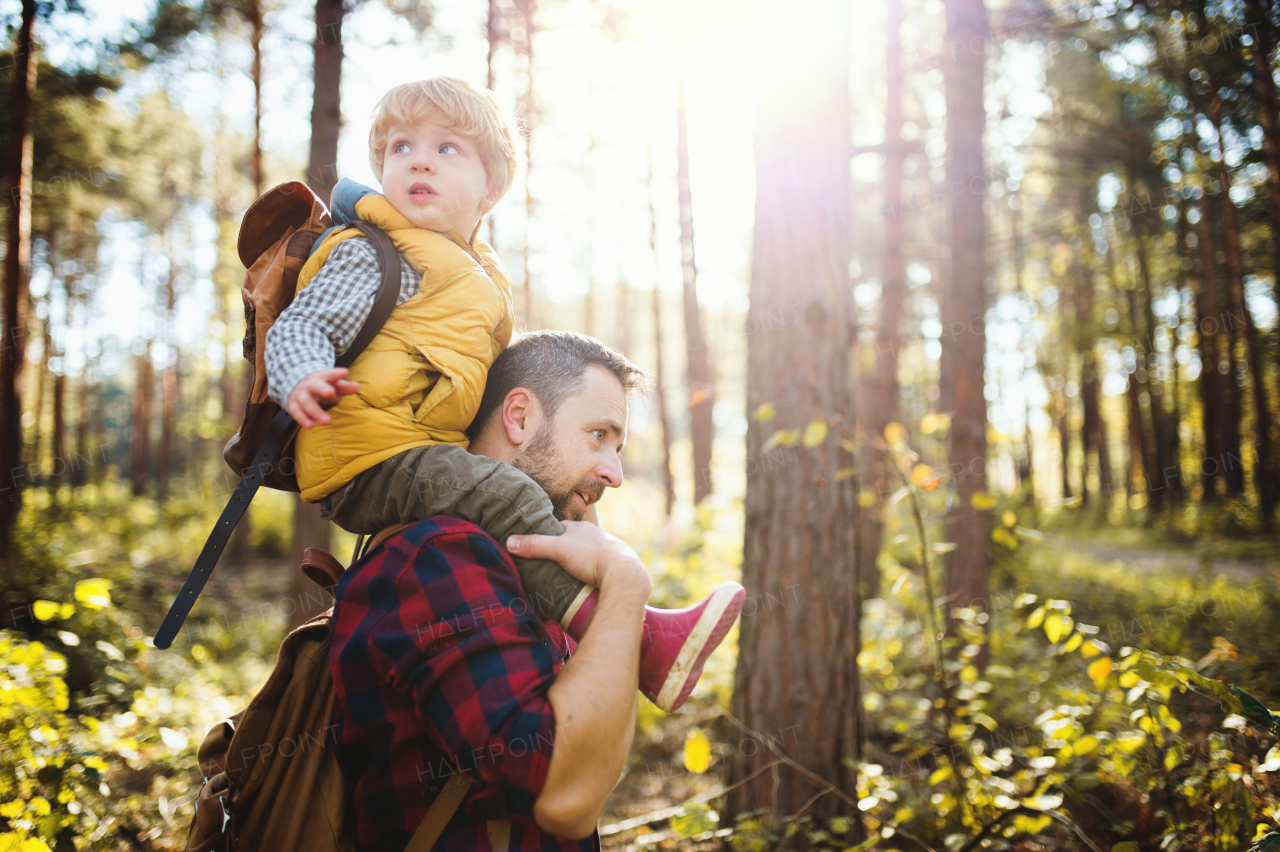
(434, 177)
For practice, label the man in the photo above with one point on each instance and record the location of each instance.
(441, 665)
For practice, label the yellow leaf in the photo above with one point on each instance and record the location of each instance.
(866, 498)
(920, 474)
(781, 438)
(929, 424)
(849, 446)
(1036, 618)
(1091, 649)
(845, 473)
(1009, 519)
(697, 752)
(968, 674)
(1101, 667)
(1087, 744)
(1073, 642)
(940, 774)
(699, 396)
(1057, 626)
(815, 433)
(764, 412)
(46, 610)
(981, 500)
(95, 593)
(894, 433)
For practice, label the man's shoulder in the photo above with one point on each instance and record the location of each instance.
(443, 545)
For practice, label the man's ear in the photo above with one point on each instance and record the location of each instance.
(521, 415)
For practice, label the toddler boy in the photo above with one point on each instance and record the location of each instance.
(445, 156)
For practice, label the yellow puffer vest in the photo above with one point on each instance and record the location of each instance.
(422, 376)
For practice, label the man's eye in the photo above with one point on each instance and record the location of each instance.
(599, 433)
(447, 148)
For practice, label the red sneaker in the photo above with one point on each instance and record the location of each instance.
(675, 643)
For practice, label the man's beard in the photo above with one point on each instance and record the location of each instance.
(541, 463)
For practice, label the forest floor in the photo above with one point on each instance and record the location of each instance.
(1136, 550)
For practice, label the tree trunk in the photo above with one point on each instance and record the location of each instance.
(797, 674)
(1026, 471)
(253, 13)
(1269, 118)
(168, 424)
(1064, 440)
(1208, 381)
(968, 527)
(1266, 468)
(41, 384)
(308, 531)
(326, 104)
(527, 10)
(1226, 403)
(140, 444)
(702, 392)
(84, 453)
(880, 402)
(13, 337)
(61, 463)
(659, 370)
(1166, 479)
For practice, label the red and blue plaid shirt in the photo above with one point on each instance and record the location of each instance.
(439, 665)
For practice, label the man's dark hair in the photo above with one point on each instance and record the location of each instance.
(552, 365)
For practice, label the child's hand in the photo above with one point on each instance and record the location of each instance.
(318, 391)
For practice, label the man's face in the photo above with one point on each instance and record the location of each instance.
(578, 453)
(434, 177)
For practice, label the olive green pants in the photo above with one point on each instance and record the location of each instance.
(447, 480)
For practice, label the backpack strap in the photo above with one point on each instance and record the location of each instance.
(282, 431)
(440, 812)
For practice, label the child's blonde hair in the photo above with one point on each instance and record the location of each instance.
(458, 105)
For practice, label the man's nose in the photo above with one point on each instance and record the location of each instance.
(611, 472)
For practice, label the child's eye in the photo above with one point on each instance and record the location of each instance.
(448, 147)
(401, 147)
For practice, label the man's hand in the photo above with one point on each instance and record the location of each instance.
(589, 554)
(318, 391)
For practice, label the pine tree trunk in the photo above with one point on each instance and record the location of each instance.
(13, 337)
(308, 531)
(168, 423)
(1266, 469)
(140, 445)
(659, 370)
(40, 382)
(1207, 383)
(880, 402)
(797, 674)
(702, 392)
(1225, 401)
(326, 105)
(1166, 479)
(1064, 441)
(84, 453)
(968, 527)
(61, 463)
(1260, 28)
(528, 10)
(253, 14)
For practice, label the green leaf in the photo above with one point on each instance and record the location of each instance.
(1127, 846)
(694, 818)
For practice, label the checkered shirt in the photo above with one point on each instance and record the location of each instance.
(439, 665)
(325, 317)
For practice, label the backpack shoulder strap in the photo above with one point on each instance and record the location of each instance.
(282, 430)
(440, 812)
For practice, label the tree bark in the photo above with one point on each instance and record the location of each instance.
(1064, 440)
(1266, 468)
(326, 104)
(140, 445)
(968, 527)
(880, 403)
(13, 337)
(702, 392)
(1269, 119)
(659, 370)
(528, 10)
(253, 13)
(797, 674)
(1166, 478)
(1226, 401)
(84, 454)
(308, 531)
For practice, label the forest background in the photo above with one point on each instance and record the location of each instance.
(973, 380)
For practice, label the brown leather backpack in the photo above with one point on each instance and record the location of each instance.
(275, 240)
(272, 780)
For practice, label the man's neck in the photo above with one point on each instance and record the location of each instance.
(495, 446)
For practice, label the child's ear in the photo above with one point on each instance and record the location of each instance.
(489, 201)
